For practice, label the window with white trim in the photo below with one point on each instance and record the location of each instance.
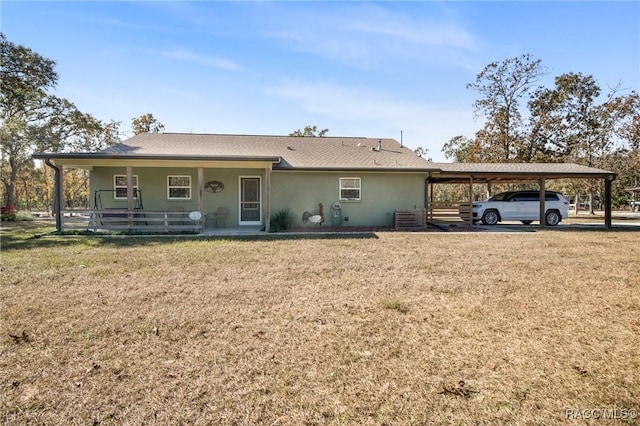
(179, 187)
(120, 187)
(350, 189)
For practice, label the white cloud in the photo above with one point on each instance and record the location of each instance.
(370, 35)
(407, 29)
(207, 61)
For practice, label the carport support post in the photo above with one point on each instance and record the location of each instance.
(430, 213)
(470, 220)
(607, 201)
(543, 222)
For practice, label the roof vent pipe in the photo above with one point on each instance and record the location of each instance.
(401, 145)
(379, 144)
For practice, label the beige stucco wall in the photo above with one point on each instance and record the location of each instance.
(382, 193)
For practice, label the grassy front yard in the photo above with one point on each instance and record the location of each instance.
(399, 328)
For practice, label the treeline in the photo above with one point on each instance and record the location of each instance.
(574, 121)
(32, 119)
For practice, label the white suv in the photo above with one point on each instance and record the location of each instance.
(521, 205)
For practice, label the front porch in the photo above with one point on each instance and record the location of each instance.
(182, 197)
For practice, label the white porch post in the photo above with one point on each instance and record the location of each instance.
(201, 196)
(267, 198)
(129, 196)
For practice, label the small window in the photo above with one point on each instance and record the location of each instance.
(350, 189)
(179, 187)
(120, 187)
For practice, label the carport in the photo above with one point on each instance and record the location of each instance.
(497, 173)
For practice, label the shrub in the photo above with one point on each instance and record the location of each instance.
(281, 220)
(24, 216)
(8, 213)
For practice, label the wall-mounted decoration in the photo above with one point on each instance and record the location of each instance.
(214, 186)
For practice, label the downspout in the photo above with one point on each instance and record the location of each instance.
(427, 182)
(426, 191)
(57, 193)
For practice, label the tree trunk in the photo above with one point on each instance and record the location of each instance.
(10, 196)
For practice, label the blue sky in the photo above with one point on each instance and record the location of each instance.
(369, 69)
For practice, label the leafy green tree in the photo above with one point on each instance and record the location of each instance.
(31, 119)
(503, 87)
(629, 123)
(146, 123)
(568, 120)
(577, 126)
(461, 149)
(310, 131)
(25, 77)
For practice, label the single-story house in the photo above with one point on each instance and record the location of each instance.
(174, 181)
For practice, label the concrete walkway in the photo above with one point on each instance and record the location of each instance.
(232, 232)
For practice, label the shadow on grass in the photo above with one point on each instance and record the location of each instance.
(574, 227)
(29, 235)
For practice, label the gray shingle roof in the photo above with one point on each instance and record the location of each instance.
(340, 153)
(325, 153)
(520, 168)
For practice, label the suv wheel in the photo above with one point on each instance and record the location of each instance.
(552, 217)
(490, 217)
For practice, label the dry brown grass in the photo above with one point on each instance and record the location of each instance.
(320, 331)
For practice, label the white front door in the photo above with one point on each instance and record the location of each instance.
(250, 200)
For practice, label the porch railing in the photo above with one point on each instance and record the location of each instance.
(152, 221)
